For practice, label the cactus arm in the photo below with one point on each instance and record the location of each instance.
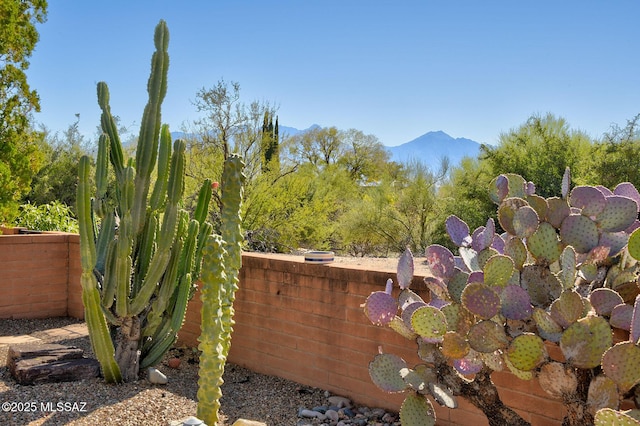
(147, 151)
(211, 361)
(145, 250)
(222, 258)
(204, 197)
(164, 162)
(105, 236)
(102, 169)
(99, 332)
(110, 281)
(109, 127)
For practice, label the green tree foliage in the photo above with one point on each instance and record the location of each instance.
(53, 216)
(270, 143)
(540, 150)
(56, 180)
(615, 158)
(19, 156)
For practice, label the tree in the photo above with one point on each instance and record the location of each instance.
(56, 180)
(364, 156)
(19, 156)
(615, 158)
(540, 150)
(318, 146)
(270, 143)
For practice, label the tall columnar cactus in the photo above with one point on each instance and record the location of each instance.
(138, 269)
(221, 265)
(562, 276)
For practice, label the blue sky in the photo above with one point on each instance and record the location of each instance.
(394, 69)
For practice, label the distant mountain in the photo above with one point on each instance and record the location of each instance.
(431, 147)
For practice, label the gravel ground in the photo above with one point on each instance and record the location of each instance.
(246, 394)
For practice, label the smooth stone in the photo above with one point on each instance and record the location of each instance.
(244, 422)
(312, 414)
(340, 401)
(348, 412)
(341, 423)
(320, 409)
(332, 415)
(156, 376)
(188, 421)
(378, 412)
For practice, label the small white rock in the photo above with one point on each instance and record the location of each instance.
(244, 422)
(156, 376)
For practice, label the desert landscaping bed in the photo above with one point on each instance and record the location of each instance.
(247, 394)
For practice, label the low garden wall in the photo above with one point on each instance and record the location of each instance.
(300, 321)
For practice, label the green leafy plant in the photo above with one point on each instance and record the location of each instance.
(563, 275)
(139, 266)
(53, 216)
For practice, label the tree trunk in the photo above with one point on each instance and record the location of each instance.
(127, 352)
(483, 394)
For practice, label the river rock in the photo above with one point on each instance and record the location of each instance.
(156, 376)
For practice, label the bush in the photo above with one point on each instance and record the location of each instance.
(54, 216)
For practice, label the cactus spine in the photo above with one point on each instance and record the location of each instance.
(138, 273)
(221, 264)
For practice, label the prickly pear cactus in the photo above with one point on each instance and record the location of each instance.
(562, 275)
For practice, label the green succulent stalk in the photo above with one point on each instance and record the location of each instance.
(140, 261)
(222, 260)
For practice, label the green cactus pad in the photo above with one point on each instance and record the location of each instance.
(485, 255)
(497, 270)
(588, 271)
(580, 232)
(621, 363)
(385, 372)
(539, 204)
(567, 309)
(408, 311)
(430, 323)
(458, 231)
(567, 274)
(558, 210)
(609, 417)
(401, 328)
(517, 251)
(603, 393)
(525, 221)
(516, 303)
(493, 360)
(452, 313)
(416, 410)
(584, 342)
(588, 199)
(520, 374)
(380, 308)
(454, 345)
(414, 380)
(487, 337)
(634, 244)
(428, 352)
(547, 327)
(440, 261)
(543, 287)
(405, 269)
(507, 211)
(604, 300)
(621, 316)
(526, 351)
(456, 285)
(544, 244)
(557, 379)
(619, 213)
(481, 300)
